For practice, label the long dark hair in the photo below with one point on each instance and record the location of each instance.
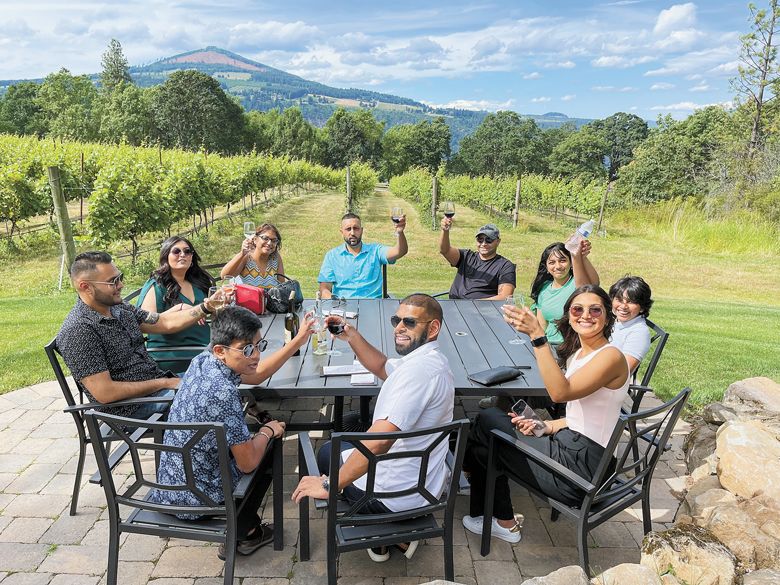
(637, 291)
(195, 274)
(542, 275)
(571, 341)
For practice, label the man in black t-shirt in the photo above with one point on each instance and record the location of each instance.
(483, 274)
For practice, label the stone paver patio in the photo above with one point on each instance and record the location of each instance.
(41, 544)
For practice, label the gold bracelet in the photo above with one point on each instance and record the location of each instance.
(260, 432)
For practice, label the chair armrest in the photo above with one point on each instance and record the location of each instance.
(440, 294)
(128, 402)
(310, 460)
(243, 485)
(545, 461)
(153, 350)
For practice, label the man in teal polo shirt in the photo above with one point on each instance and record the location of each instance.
(354, 270)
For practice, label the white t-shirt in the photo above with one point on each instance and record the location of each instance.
(419, 392)
(596, 414)
(632, 337)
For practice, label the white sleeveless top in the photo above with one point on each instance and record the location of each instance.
(595, 415)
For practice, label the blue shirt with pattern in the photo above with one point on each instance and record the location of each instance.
(208, 392)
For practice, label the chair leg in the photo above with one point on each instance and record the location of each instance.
(74, 500)
(230, 563)
(582, 545)
(449, 564)
(647, 518)
(303, 511)
(333, 560)
(113, 551)
(554, 514)
(278, 494)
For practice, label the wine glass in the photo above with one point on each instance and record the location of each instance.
(229, 288)
(396, 214)
(249, 229)
(516, 300)
(338, 306)
(448, 209)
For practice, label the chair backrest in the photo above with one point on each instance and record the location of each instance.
(125, 431)
(659, 337)
(440, 437)
(648, 431)
(53, 353)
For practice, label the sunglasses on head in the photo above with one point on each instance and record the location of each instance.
(409, 322)
(178, 251)
(249, 349)
(595, 311)
(485, 240)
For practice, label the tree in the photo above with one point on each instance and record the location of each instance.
(115, 68)
(397, 145)
(67, 103)
(580, 156)
(293, 136)
(622, 133)
(425, 144)
(125, 115)
(352, 136)
(192, 111)
(19, 111)
(257, 129)
(503, 144)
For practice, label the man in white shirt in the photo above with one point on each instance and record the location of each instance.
(418, 392)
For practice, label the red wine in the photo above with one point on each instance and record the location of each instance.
(396, 219)
(336, 328)
(449, 214)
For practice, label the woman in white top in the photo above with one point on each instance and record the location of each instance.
(593, 388)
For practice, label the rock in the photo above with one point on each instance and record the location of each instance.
(748, 459)
(697, 488)
(735, 528)
(627, 573)
(762, 577)
(692, 553)
(699, 448)
(702, 505)
(669, 579)
(572, 575)
(758, 393)
(717, 413)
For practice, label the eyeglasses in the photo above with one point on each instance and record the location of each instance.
(409, 322)
(249, 349)
(274, 241)
(114, 282)
(485, 240)
(594, 311)
(178, 251)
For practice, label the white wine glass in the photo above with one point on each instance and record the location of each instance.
(249, 229)
(516, 300)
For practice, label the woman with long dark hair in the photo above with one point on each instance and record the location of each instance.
(177, 283)
(593, 388)
(558, 274)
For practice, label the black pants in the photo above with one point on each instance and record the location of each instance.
(351, 493)
(567, 447)
(246, 516)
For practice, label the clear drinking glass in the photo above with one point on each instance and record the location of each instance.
(249, 229)
(337, 309)
(516, 300)
(448, 209)
(396, 214)
(229, 288)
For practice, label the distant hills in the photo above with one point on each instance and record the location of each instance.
(261, 87)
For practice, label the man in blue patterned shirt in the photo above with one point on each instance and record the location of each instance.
(208, 392)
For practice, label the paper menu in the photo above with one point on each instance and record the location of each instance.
(362, 379)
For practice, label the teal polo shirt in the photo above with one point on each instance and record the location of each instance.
(355, 276)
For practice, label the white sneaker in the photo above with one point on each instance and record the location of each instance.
(510, 535)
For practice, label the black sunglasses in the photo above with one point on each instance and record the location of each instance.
(409, 322)
(185, 251)
(249, 349)
(484, 239)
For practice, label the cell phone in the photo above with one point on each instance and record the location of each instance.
(521, 409)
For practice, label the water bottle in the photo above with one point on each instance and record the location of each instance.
(582, 232)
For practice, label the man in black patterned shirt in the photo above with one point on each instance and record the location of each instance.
(101, 339)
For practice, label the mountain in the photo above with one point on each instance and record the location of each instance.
(261, 87)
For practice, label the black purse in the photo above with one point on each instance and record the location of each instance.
(278, 297)
(495, 375)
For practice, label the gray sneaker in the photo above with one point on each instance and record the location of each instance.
(488, 402)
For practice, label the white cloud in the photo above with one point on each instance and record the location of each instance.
(271, 34)
(492, 106)
(694, 61)
(729, 68)
(661, 86)
(560, 65)
(569, 97)
(679, 40)
(674, 18)
(688, 106)
(485, 48)
(540, 100)
(533, 75)
(612, 88)
(703, 86)
(620, 62)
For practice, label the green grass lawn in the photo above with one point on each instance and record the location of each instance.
(721, 310)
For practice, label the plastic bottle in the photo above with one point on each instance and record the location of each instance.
(581, 233)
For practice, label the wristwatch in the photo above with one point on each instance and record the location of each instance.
(204, 309)
(539, 341)
(326, 483)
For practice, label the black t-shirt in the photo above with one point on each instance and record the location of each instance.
(479, 279)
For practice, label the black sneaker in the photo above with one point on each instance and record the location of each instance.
(248, 546)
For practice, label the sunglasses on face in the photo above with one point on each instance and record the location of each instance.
(594, 311)
(249, 349)
(485, 240)
(179, 251)
(272, 241)
(114, 282)
(409, 322)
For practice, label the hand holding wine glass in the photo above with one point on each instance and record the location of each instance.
(516, 300)
(397, 215)
(249, 229)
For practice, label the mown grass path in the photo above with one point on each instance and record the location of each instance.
(722, 311)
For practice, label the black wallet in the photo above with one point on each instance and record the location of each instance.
(495, 375)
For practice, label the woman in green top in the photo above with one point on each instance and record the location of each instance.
(177, 283)
(559, 273)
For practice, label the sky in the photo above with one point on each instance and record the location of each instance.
(582, 58)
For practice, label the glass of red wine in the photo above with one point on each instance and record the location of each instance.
(396, 214)
(337, 317)
(448, 209)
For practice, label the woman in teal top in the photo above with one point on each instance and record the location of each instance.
(560, 273)
(178, 282)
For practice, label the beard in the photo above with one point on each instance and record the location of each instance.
(353, 241)
(106, 299)
(414, 343)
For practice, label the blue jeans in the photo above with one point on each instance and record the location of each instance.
(147, 410)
